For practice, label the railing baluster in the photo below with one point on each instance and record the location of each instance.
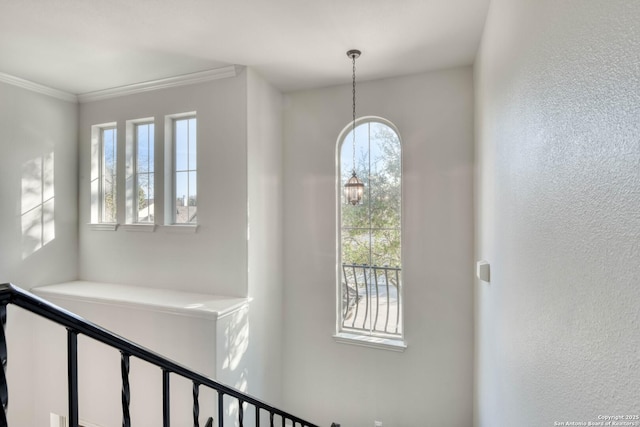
(375, 278)
(386, 281)
(166, 408)
(366, 270)
(257, 416)
(240, 412)
(196, 404)
(271, 419)
(283, 420)
(346, 289)
(355, 282)
(124, 370)
(220, 409)
(4, 388)
(72, 376)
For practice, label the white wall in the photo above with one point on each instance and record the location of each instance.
(213, 260)
(35, 130)
(239, 164)
(265, 250)
(190, 340)
(557, 214)
(431, 382)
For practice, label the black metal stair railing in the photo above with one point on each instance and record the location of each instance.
(10, 294)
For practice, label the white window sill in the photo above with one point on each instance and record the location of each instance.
(103, 227)
(145, 228)
(369, 341)
(180, 228)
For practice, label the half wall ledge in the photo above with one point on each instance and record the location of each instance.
(145, 298)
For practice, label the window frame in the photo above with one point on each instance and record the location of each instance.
(132, 173)
(170, 171)
(346, 335)
(97, 176)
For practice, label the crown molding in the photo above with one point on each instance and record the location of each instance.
(182, 80)
(37, 87)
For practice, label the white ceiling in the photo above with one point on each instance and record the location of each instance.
(81, 46)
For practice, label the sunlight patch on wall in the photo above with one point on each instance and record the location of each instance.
(37, 204)
(237, 340)
(233, 405)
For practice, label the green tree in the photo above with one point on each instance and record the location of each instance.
(109, 198)
(142, 198)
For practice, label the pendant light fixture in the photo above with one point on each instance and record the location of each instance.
(354, 188)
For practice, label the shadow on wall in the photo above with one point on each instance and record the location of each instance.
(37, 212)
(233, 368)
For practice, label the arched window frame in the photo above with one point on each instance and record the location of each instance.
(369, 338)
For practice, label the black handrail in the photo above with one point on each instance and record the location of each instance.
(10, 294)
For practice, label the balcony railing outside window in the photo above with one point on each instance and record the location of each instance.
(371, 299)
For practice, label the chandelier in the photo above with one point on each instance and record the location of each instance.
(354, 188)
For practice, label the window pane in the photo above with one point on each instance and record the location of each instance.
(385, 183)
(182, 197)
(151, 187)
(361, 153)
(193, 197)
(109, 150)
(358, 217)
(151, 200)
(356, 246)
(151, 154)
(385, 247)
(142, 148)
(144, 172)
(192, 144)
(147, 209)
(181, 144)
(142, 200)
(108, 172)
(182, 188)
(193, 193)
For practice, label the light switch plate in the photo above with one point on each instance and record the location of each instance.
(483, 271)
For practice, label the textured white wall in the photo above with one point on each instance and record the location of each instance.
(213, 260)
(558, 212)
(431, 382)
(32, 127)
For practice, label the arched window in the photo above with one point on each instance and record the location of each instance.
(370, 290)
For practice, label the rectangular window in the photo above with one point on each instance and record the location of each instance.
(144, 194)
(107, 175)
(185, 190)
